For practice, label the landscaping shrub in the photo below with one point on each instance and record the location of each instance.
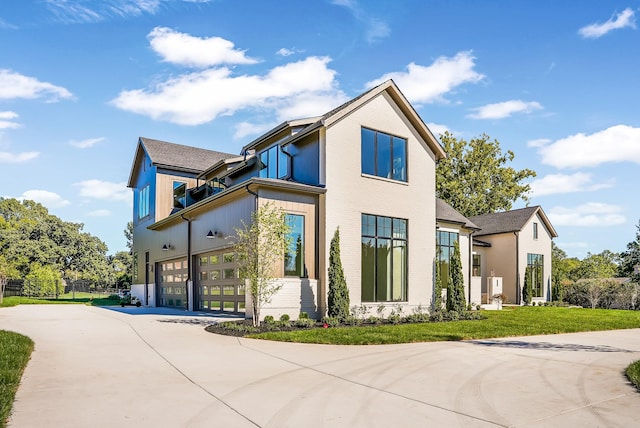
(633, 373)
(331, 321)
(304, 323)
(338, 295)
(269, 319)
(285, 318)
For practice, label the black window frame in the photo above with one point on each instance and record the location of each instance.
(300, 270)
(445, 240)
(536, 264)
(375, 165)
(266, 160)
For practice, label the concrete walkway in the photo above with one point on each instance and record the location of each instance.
(113, 367)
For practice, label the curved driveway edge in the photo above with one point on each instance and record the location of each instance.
(107, 367)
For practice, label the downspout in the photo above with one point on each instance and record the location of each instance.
(189, 283)
(518, 291)
(254, 194)
(470, 264)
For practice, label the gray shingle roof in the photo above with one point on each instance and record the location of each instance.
(446, 212)
(181, 157)
(503, 222)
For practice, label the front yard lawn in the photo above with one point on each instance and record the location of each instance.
(511, 321)
(81, 298)
(15, 351)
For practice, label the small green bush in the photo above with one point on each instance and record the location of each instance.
(331, 321)
(436, 316)
(633, 373)
(452, 315)
(304, 323)
(285, 318)
(269, 319)
(373, 320)
(303, 315)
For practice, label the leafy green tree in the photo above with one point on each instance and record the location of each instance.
(630, 259)
(456, 300)
(6, 271)
(527, 290)
(259, 246)
(338, 295)
(128, 234)
(437, 288)
(43, 281)
(474, 177)
(602, 265)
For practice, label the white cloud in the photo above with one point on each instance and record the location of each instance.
(184, 49)
(285, 52)
(624, 19)
(99, 213)
(6, 120)
(592, 214)
(81, 11)
(504, 109)
(437, 128)
(7, 157)
(98, 189)
(199, 97)
(244, 129)
(376, 28)
(84, 144)
(560, 183)
(16, 85)
(620, 143)
(540, 142)
(308, 104)
(427, 84)
(46, 198)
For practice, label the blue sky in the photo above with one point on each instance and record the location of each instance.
(555, 82)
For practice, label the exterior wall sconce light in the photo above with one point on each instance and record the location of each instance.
(212, 234)
(166, 247)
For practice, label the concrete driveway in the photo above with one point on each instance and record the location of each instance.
(107, 367)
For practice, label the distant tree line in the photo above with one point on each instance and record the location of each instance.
(40, 248)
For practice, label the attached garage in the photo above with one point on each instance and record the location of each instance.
(218, 286)
(172, 281)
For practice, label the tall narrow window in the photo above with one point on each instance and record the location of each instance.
(273, 163)
(384, 259)
(143, 202)
(445, 242)
(476, 265)
(535, 230)
(383, 155)
(179, 194)
(294, 256)
(536, 263)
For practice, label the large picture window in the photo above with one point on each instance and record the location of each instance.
(384, 155)
(273, 163)
(294, 256)
(384, 259)
(179, 194)
(143, 202)
(536, 264)
(445, 242)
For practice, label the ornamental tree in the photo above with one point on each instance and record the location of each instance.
(338, 295)
(455, 292)
(259, 247)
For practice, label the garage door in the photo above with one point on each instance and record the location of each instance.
(218, 285)
(172, 291)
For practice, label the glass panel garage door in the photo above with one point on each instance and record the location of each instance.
(218, 286)
(172, 283)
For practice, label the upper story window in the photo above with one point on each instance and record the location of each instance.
(384, 155)
(535, 230)
(143, 202)
(273, 163)
(179, 194)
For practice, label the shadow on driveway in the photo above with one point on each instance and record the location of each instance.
(546, 346)
(176, 316)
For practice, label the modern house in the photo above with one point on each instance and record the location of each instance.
(366, 168)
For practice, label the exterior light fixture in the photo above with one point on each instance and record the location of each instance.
(166, 247)
(212, 234)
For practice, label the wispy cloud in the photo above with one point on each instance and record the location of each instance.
(16, 85)
(287, 52)
(184, 49)
(46, 198)
(244, 129)
(592, 214)
(98, 189)
(504, 109)
(562, 183)
(624, 19)
(437, 128)
(427, 84)
(540, 142)
(99, 213)
(7, 26)
(8, 157)
(85, 144)
(376, 28)
(618, 143)
(87, 11)
(6, 120)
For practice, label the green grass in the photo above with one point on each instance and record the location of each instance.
(81, 298)
(633, 373)
(517, 321)
(15, 351)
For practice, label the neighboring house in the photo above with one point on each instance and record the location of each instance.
(511, 241)
(366, 167)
